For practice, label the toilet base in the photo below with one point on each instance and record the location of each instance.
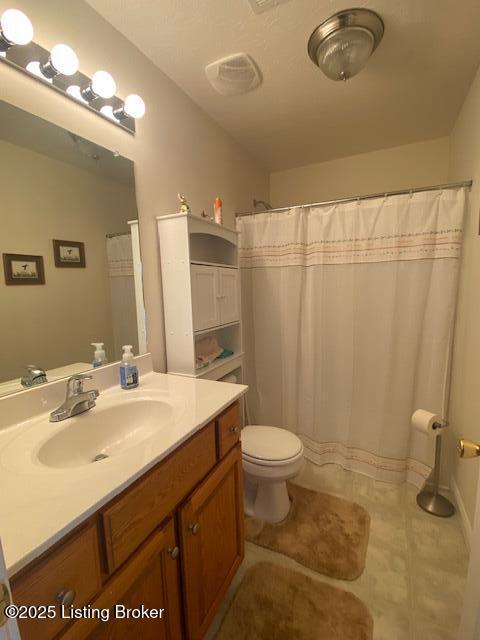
(266, 500)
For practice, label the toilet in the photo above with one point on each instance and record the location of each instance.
(270, 457)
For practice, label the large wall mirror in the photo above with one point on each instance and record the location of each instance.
(70, 252)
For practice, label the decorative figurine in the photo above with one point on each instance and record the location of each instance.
(184, 206)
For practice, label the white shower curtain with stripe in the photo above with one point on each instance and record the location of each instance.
(348, 323)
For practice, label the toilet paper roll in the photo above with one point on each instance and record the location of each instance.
(426, 422)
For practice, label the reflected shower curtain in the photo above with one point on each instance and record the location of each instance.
(122, 293)
(348, 323)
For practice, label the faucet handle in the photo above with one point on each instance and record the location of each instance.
(75, 383)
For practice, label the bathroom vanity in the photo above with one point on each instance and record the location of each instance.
(158, 523)
(138, 500)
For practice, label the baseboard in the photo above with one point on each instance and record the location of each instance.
(464, 520)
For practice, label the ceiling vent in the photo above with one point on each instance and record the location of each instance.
(259, 6)
(234, 74)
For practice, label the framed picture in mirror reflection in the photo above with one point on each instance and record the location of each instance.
(21, 269)
(69, 254)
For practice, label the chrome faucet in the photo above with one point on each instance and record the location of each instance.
(77, 400)
(33, 376)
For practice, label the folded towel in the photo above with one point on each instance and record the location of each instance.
(207, 350)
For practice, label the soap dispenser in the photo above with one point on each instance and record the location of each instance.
(99, 357)
(128, 370)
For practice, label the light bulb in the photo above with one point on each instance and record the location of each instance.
(103, 85)
(107, 111)
(75, 91)
(134, 106)
(15, 28)
(34, 68)
(63, 59)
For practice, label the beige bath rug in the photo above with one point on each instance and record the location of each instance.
(322, 532)
(276, 603)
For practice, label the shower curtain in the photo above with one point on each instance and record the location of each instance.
(348, 322)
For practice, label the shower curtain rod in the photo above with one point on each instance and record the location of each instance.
(451, 185)
(117, 235)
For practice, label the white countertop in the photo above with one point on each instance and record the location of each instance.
(40, 504)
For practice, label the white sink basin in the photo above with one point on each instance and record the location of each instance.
(103, 432)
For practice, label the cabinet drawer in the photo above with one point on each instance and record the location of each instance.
(150, 579)
(228, 429)
(74, 566)
(142, 507)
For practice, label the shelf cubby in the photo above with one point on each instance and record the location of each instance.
(201, 292)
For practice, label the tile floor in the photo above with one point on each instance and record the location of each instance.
(416, 564)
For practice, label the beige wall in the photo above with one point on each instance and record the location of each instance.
(411, 165)
(465, 392)
(48, 324)
(177, 146)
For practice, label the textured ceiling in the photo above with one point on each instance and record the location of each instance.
(411, 89)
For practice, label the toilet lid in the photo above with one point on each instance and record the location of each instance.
(269, 443)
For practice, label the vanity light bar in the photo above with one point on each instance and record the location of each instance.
(59, 68)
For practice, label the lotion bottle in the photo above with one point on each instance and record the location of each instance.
(128, 370)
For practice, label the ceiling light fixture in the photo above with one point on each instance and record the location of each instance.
(15, 28)
(342, 45)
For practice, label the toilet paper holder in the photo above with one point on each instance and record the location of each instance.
(430, 499)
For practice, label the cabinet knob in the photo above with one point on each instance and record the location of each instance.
(174, 552)
(194, 528)
(65, 597)
(234, 429)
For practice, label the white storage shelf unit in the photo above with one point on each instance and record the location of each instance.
(201, 293)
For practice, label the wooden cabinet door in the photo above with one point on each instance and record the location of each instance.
(212, 542)
(228, 295)
(151, 579)
(204, 297)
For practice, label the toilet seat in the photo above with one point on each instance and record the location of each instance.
(261, 462)
(270, 446)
